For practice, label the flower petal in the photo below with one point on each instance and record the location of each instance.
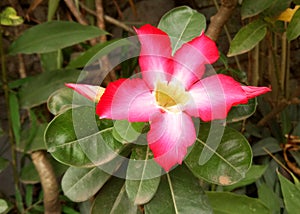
(214, 96)
(128, 99)
(253, 91)
(191, 58)
(169, 136)
(92, 92)
(155, 57)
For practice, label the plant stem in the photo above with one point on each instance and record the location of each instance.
(10, 131)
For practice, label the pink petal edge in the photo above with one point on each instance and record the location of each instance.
(91, 92)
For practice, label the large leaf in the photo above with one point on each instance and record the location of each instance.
(143, 176)
(248, 36)
(229, 203)
(179, 192)
(242, 111)
(269, 143)
(230, 161)
(253, 7)
(182, 24)
(291, 194)
(78, 138)
(112, 199)
(52, 36)
(37, 89)
(293, 30)
(86, 181)
(126, 131)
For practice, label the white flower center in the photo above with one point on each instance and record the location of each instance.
(170, 96)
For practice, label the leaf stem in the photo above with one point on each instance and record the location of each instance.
(172, 193)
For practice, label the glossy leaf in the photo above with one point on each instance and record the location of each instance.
(3, 164)
(254, 173)
(78, 138)
(291, 194)
(143, 176)
(37, 90)
(180, 192)
(269, 143)
(182, 24)
(128, 132)
(52, 36)
(229, 203)
(3, 205)
(293, 30)
(60, 100)
(248, 37)
(230, 161)
(86, 181)
(242, 111)
(112, 199)
(253, 7)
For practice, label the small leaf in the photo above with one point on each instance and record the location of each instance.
(269, 143)
(60, 100)
(229, 162)
(9, 17)
(112, 199)
(180, 192)
(78, 138)
(229, 203)
(291, 194)
(182, 24)
(293, 29)
(269, 198)
(52, 7)
(242, 111)
(142, 176)
(3, 205)
(52, 36)
(254, 173)
(37, 89)
(253, 7)
(248, 36)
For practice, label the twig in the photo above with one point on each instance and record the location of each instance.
(75, 12)
(218, 21)
(49, 182)
(109, 19)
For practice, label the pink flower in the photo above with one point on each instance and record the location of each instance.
(171, 92)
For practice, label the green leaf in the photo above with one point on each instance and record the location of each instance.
(269, 143)
(254, 7)
(242, 111)
(277, 7)
(128, 132)
(51, 61)
(269, 198)
(52, 36)
(3, 164)
(229, 203)
(60, 100)
(9, 17)
(15, 116)
(291, 194)
(179, 192)
(29, 195)
(78, 138)
(86, 181)
(182, 24)
(3, 205)
(52, 7)
(112, 199)
(293, 29)
(98, 50)
(254, 173)
(229, 162)
(142, 176)
(247, 38)
(37, 89)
